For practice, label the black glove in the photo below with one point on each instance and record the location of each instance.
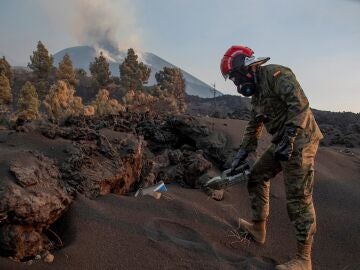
(239, 158)
(285, 147)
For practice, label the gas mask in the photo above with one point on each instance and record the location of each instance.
(247, 89)
(245, 82)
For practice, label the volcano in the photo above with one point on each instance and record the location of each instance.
(83, 55)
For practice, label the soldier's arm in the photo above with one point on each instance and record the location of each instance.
(290, 91)
(252, 134)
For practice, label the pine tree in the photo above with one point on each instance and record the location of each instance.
(80, 73)
(41, 62)
(133, 75)
(28, 103)
(100, 70)
(66, 71)
(5, 68)
(5, 90)
(172, 81)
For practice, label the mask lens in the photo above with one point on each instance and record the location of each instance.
(246, 89)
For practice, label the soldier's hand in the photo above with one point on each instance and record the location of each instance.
(240, 157)
(285, 147)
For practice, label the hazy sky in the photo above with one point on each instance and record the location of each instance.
(319, 40)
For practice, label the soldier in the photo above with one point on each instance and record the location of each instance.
(279, 104)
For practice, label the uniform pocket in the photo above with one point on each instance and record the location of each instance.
(309, 181)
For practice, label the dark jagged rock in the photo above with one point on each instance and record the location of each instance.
(185, 132)
(32, 198)
(112, 163)
(70, 133)
(175, 156)
(184, 167)
(167, 139)
(96, 156)
(194, 165)
(168, 132)
(159, 137)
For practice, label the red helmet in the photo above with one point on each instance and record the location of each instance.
(237, 57)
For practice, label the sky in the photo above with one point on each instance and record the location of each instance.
(319, 40)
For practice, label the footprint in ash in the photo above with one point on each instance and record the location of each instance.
(164, 230)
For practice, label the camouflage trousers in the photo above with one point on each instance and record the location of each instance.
(299, 180)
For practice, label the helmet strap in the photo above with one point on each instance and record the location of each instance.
(255, 77)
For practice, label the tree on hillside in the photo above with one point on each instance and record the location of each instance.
(100, 70)
(42, 88)
(105, 106)
(5, 68)
(139, 101)
(133, 75)
(66, 71)
(28, 103)
(172, 81)
(80, 73)
(61, 103)
(41, 62)
(5, 91)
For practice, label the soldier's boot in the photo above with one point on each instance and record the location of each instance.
(256, 229)
(302, 260)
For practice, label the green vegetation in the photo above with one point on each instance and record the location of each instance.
(5, 69)
(172, 81)
(5, 90)
(28, 103)
(55, 88)
(133, 74)
(66, 71)
(41, 62)
(100, 71)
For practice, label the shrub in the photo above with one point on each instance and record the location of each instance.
(105, 106)
(61, 103)
(138, 101)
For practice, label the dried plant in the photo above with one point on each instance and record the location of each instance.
(105, 106)
(61, 103)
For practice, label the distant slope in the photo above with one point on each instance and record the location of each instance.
(83, 55)
(9, 59)
(225, 106)
(338, 128)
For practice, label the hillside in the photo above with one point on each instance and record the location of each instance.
(339, 128)
(186, 229)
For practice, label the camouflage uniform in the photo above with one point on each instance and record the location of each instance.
(280, 102)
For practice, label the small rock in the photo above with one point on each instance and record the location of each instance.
(14, 259)
(37, 257)
(49, 258)
(29, 262)
(218, 195)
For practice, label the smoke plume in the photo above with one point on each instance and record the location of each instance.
(106, 25)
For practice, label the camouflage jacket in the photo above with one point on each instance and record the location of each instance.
(278, 102)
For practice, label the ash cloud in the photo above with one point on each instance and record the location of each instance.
(106, 25)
